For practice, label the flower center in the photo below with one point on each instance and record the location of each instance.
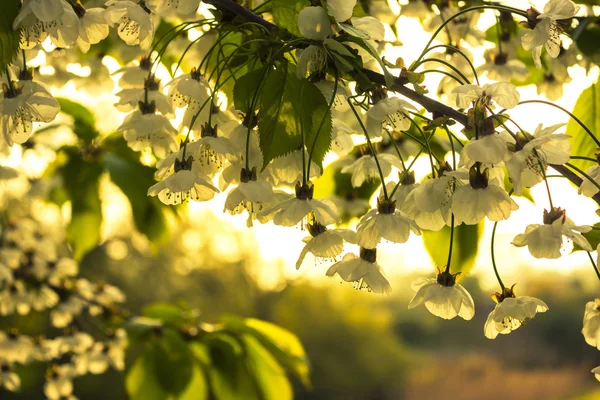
(305, 191)
(553, 215)
(369, 255)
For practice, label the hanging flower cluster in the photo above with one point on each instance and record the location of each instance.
(37, 274)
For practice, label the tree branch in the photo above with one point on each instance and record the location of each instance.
(431, 105)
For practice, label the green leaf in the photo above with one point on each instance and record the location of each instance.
(166, 370)
(336, 46)
(587, 109)
(81, 178)
(464, 250)
(245, 89)
(588, 40)
(197, 388)
(285, 13)
(288, 106)
(283, 345)
(164, 312)
(83, 119)
(9, 39)
(268, 375)
(229, 377)
(140, 382)
(174, 362)
(134, 179)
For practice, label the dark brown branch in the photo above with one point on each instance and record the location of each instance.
(431, 105)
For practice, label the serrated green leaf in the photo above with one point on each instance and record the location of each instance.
(268, 375)
(9, 39)
(285, 13)
(245, 89)
(81, 179)
(134, 179)
(288, 106)
(83, 119)
(587, 109)
(464, 250)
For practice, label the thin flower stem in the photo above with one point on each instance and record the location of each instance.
(303, 148)
(447, 64)
(585, 128)
(470, 9)
(583, 158)
(397, 149)
(498, 34)
(429, 151)
(451, 243)
(494, 258)
(448, 74)
(594, 264)
(452, 147)
(406, 171)
(385, 193)
(457, 50)
(312, 149)
(589, 178)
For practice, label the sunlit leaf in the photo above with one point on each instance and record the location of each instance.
(288, 106)
(174, 363)
(268, 375)
(284, 345)
(587, 109)
(285, 13)
(229, 377)
(245, 90)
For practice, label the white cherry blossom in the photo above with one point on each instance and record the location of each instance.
(591, 323)
(545, 241)
(443, 297)
(385, 222)
(481, 198)
(149, 130)
(587, 187)
(546, 32)
(134, 23)
(363, 271)
(313, 23)
(502, 93)
(341, 10)
(185, 182)
(511, 313)
(296, 208)
(325, 243)
(365, 168)
(21, 105)
(527, 167)
(392, 112)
